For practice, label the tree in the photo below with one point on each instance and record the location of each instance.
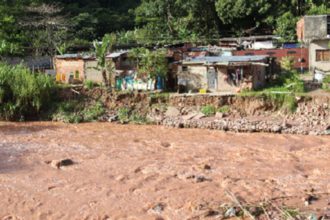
(175, 21)
(51, 27)
(318, 10)
(286, 27)
(150, 64)
(244, 17)
(11, 40)
(103, 64)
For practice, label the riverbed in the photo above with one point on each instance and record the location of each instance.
(150, 172)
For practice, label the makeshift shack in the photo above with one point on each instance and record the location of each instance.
(224, 73)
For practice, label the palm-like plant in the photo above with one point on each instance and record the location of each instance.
(101, 51)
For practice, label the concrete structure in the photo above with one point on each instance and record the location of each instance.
(313, 27)
(300, 55)
(314, 31)
(224, 73)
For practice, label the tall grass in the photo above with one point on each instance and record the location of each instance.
(23, 94)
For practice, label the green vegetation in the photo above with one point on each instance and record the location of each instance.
(48, 27)
(224, 109)
(75, 111)
(92, 113)
(127, 115)
(22, 93)
(285, 27)
(137, 118)
(106, 66)
(123, 115)
(283, 90)
(89, 84)
(208, 110)
(326, 83)
(150, 64)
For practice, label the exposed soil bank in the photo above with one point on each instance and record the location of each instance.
(149, 172)
(309, 116)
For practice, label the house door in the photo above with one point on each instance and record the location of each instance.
(212, 79)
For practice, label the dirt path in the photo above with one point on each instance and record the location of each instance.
(141, 172)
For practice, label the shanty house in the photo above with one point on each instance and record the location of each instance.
(71, 67)
(223, 73)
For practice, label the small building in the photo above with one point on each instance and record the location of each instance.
(299, 55)
(72, 68)
(314, 31)
(223, 73)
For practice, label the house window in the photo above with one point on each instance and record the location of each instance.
(322, 55)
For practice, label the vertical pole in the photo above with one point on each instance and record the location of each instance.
(301, 59)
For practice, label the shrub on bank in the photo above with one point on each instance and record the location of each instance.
(77, 111)
(326, 83)
(224, 109)
(123, 115)
(208, 110)
(23, 94)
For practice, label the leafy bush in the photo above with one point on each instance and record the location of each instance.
(68, 112)
(94, 112)
(326, 83)
(208, 110)
(290, 103)
(22, 93)
(137, 118)
(287, 63)
(123, 115)
(285, 102)
(287, 81)
(76, 112)
(89, 84)
(224, 109)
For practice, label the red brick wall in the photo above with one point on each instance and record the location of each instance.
(278, 54)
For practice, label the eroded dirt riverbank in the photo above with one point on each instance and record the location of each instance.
(124, 171)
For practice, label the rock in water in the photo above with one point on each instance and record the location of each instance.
(159, 208)
(172, 112)
(57, 164)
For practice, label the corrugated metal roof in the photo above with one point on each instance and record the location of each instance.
(226, 59)
(116, 54)
(74, 56)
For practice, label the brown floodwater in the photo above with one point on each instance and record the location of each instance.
(144, 172)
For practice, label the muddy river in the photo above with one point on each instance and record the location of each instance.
(149, 172)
